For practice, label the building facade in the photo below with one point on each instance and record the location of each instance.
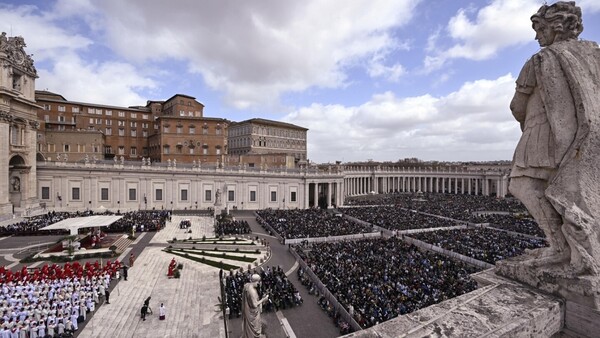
(18, 126)
(266, 137)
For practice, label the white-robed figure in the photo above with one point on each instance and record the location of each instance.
(251, 309)
(162, 311)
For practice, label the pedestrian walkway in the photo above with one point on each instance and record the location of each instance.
(191, 301)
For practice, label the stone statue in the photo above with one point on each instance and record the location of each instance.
(115, 159)
(168, 162)
(251, 309)
(65, 157)
(122, 159)
(86, 159)
(555, 172)
(174, 162)
(16, 184)
(194, 164)
(58, 157)
(218, 197)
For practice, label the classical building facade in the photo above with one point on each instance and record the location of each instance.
(285, 142)
(18, 126)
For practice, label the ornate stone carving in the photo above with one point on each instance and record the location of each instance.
(14, 48)
(34, 124)
(6, 116)
(555, 172)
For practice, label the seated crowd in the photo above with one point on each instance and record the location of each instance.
(456, 206)
(309, 223)
(274, 282)
(51, 301)
(232, 227)
(510, 222)
(379, 279)
(483, 244)
(151, 220)
(394, 218)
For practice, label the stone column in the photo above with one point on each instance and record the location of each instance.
(316, 194)
(306, 195)
(329, 187)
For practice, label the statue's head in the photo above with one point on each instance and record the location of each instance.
(255, 278)
(557, 22)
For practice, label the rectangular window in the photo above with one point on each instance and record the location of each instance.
(192, 130)
(208, 195)
(46, 118)
(66, 148)
(144, 133)
(145, 116)
(132, 194)
(145, 125)
(108, 113)
(75, 194)
(133, 115)
(104, 194)
(252, 196)
(108, 122)
(62, 108)
(179, 130)
(47, 107)
(91, 120)
(133, 151)
(273, 196)
(133, 124)
(184, 194)
(191, 150)
(121, 150)
(158, 195)
(45, 193)
(218, 151)
(205, 131)
(61, 118)
(133, 133)
(108, 131)
(121, 114)
(121, 132)
(165, 129)
(293, 196)
(231, 195)
(121, 123)
(219, 131)
(166, 150)
(204, 151)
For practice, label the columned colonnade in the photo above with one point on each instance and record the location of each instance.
(485, 183)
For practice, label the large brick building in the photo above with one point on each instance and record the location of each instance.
(163, 131)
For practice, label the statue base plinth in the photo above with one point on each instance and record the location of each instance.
(581, 293)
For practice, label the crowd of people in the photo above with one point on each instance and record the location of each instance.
(483, 244)
(51, 301)
(394, 218)
(457, 206)
(282, 293)
(232, 227)
(32, 225)
(510, 222)
(379, 279)
(142, 220)
(309, 223)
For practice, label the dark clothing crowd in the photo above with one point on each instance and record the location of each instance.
(282, 293)
(483, 244)
(232, 227)
(309, 223)
(379, 279)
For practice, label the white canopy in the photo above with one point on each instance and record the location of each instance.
(76, 223)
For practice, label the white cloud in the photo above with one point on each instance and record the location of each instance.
(472, 123)
(255, 51)
(59, 46)
(480, 36)
(111, 83)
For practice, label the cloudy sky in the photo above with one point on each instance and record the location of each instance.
(371, 79)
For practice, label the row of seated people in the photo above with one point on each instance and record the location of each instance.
(32, 225)
(151, 220)
(54, 301)
(309, 223)
(483, 244)
(395, 218)
(457, 206)
(282, 293)
(379, 279)
(510, 222)
(232, 227)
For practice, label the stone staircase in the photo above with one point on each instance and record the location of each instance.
(122, 244)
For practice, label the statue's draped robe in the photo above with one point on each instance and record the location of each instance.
(251, 324)
(568, 76)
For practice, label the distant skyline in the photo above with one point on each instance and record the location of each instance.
(378, 79)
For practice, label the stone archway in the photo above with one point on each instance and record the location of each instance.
(16, 168)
